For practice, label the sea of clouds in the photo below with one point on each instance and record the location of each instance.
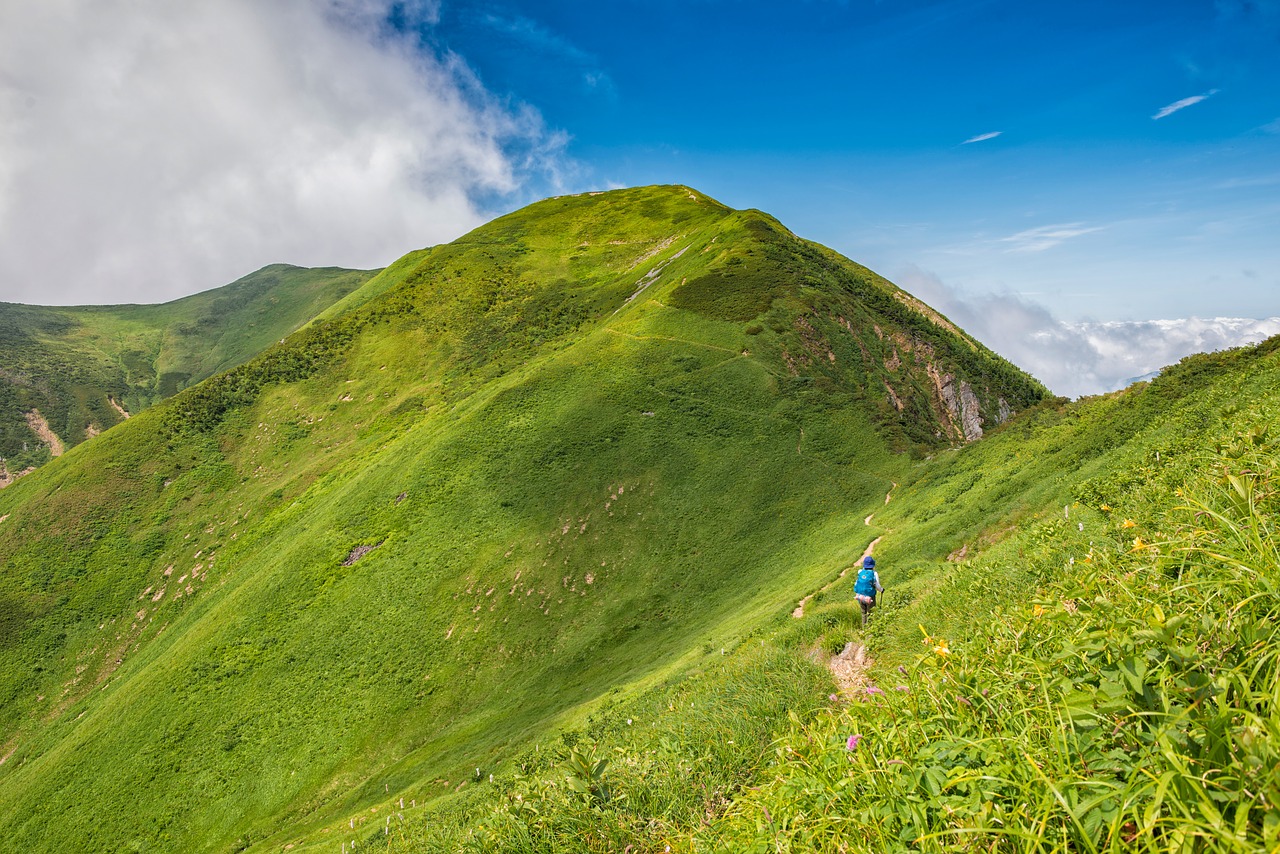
(1080, 358)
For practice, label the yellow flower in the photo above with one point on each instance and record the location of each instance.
(1138, 544)
(1105, 507)
(1038, 611)
(1129, 523)
(1178, 491)
(942, 648)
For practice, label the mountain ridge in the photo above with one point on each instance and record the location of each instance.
(82, 369)
(587, 438)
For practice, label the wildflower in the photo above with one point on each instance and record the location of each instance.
(1038, 610)
(942, 648)
(1128, 523)
(832, 697)
(852, 743)
(1105, 507)
(871, 689)
(963, 700)
(1138, 544)
(902, 670)
(1178, 491)
(902, 688)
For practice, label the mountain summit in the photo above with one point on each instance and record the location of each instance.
(507, 479)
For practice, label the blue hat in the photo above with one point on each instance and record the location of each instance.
(868, 562)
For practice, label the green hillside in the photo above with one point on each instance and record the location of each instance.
(563, 460)
(537, 543)
(1077, 652)
(67, 374)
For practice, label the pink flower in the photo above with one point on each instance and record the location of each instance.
(902, 670)
(852, 743)
(963, 700)
(902, 688)
(871, 689)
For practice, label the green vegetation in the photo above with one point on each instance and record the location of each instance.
(1097, 673)
(502, 556)
(83, 367)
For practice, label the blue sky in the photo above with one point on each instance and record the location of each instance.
(1004, 146)
(1055, 176)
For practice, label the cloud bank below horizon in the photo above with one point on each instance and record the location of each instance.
(149, 150)
(1082, 358)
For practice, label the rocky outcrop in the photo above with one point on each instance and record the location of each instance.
(970, 413)
(960, 408)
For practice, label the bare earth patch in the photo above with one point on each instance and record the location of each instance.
(849, 667)
(359, 552)
(7, 477)
(42, 429)
(117, 407)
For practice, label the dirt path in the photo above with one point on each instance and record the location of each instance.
(799, 611)
(849, 667)
(117, 407)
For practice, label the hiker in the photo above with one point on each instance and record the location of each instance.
(867, 586)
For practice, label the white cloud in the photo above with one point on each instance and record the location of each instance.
(982, 137)
(1075, 359)
(1046, 236)
(149, 149)
(1183, 104)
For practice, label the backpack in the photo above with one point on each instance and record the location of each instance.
(866, 584)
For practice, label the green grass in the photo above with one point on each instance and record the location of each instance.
(1098, 674)
(71, 363)
(1107, 682)
(577, 486)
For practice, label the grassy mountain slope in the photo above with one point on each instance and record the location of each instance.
(567, 455)
(82, 368)
(1100, 669)
(1077, 652)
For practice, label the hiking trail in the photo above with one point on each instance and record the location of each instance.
(849, 666)
(799, 610)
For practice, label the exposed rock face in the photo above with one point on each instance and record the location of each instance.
(912, 363)
(959, 406)
(970, 413)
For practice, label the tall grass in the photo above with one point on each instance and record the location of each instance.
(640, 772)
(1131, 706)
